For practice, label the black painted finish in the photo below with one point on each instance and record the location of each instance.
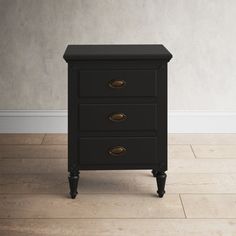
(116, 52)
(139, 150)
(97, 142)
(161, 181)
(138, 117)
(95, 83)
(73, 182)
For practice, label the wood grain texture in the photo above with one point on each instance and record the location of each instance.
(202, 166)
(33, 151)
(33, 166)
(214, 139)
(37, 189)
(122, 182)
(180, 151)
(117, 227)
(90, 206)
(215, 151)
(21, 138)
(55, 139)
(209, 205)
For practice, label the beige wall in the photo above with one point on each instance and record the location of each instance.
(201, 34)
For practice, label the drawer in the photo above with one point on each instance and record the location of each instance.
(117, 117)
(117, 83)
(140, 150)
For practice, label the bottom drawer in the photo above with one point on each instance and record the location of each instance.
(108, 151)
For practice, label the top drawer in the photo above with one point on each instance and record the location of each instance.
(117, 83)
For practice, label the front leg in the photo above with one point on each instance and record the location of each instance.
(73, 181)
(154, 173)
(161, 181)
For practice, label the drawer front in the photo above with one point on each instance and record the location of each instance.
(118, 150)
(117, 117)
(117, 83)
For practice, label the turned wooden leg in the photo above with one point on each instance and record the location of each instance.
(154, 173)
(161, 181)
(73, 181)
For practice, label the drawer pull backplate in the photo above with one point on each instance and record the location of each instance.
(117, 151)
(117, 84)
(117, 117)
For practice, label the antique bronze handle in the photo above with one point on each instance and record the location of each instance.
(118, 117)
(117, 84)
(117, 151)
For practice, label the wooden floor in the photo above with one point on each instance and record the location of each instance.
(200, 198)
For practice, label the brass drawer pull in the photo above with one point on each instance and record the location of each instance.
(117, 151)
(118, 117)
(117, 84)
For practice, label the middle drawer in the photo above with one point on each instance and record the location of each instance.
(113, 117)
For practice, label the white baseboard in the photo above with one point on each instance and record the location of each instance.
(55, 121)
(201, 122)
(33, 121)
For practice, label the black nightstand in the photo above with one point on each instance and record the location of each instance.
(117, 109)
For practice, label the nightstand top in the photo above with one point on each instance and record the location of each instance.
(117, 52)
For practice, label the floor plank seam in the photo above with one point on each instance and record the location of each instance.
(43, 139)
(183, 206)
(193, 151)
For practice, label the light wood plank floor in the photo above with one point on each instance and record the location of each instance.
(200, 198)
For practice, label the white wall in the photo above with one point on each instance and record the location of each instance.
(201, 35)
